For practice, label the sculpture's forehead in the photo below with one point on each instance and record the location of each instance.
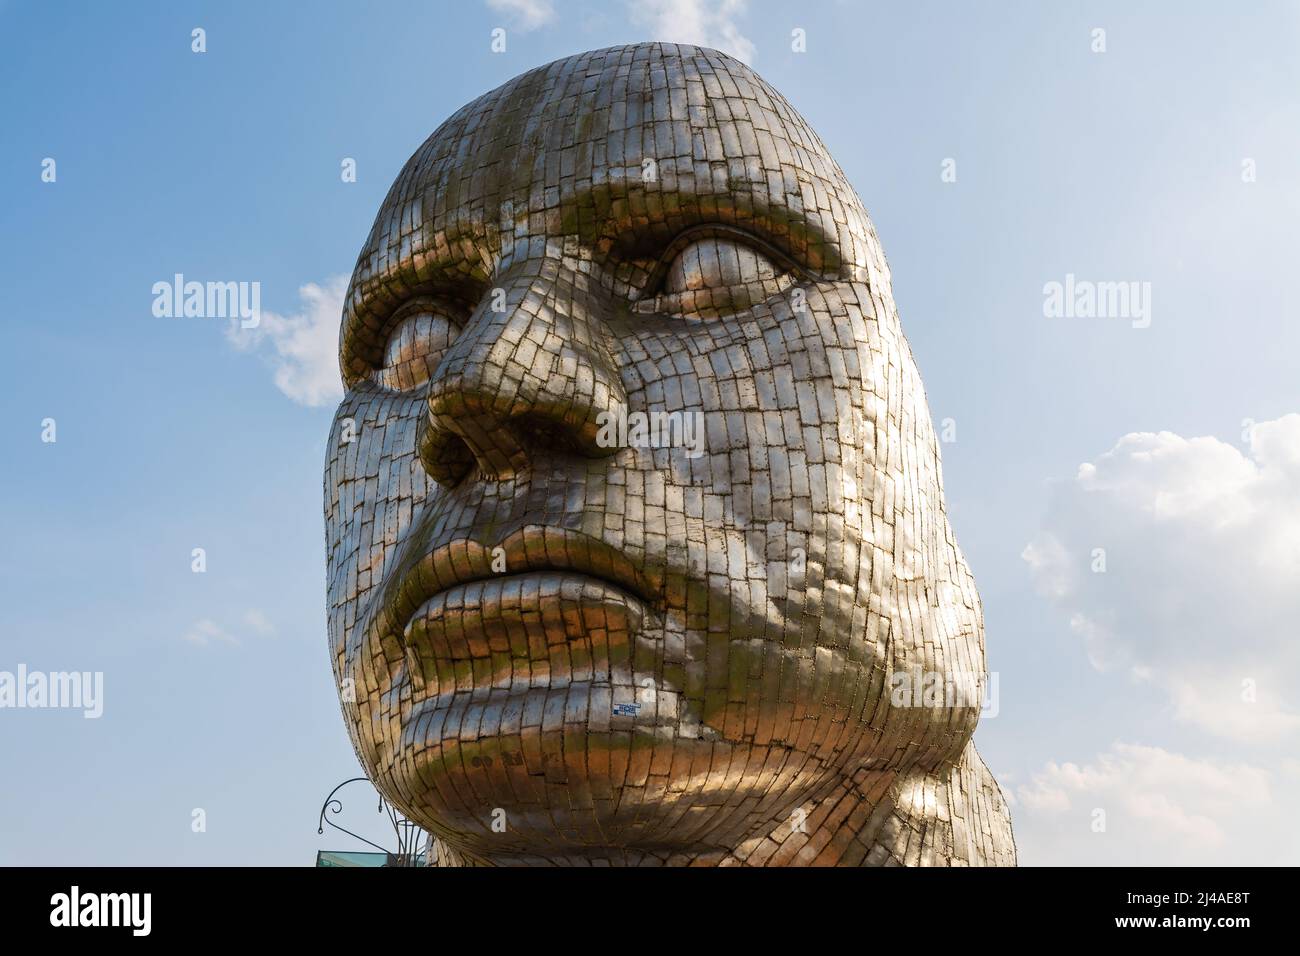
(617, 150)
(604, 116)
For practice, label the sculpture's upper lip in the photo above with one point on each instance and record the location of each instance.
(531, 548)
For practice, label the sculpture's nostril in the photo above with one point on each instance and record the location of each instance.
(446, 457)
(551, 432)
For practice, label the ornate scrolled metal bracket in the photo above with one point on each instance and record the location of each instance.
(413, 843)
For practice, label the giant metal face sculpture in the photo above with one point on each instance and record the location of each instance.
(635, 522)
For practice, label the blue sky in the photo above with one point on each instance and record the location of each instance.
(1116, 691)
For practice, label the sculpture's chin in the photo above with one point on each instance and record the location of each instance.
(586, 787)
(581, 811)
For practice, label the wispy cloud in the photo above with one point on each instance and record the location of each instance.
(698, 22)
(258, 623)
(1175, 559)
(524, 15)
(206, 632)
(301, 348)
(1137, 804)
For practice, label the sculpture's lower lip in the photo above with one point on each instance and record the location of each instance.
(511, 620)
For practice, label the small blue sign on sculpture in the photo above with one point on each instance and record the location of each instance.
(626, 710)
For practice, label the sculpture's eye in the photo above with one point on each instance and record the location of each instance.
(717, 275)
(418, 337)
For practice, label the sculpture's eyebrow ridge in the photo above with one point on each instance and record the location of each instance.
(446, 233)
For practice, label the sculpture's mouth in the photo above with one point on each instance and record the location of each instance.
(469, 584)
(507, 628)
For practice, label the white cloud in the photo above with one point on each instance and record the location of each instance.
(302, 348)
(1155, 807)
(207, 631)
(1200, 596)
(525, 15)
(258, 623)
(698, 22)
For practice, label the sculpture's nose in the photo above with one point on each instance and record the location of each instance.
(531, 371)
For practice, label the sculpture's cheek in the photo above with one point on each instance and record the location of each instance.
(372, 487)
